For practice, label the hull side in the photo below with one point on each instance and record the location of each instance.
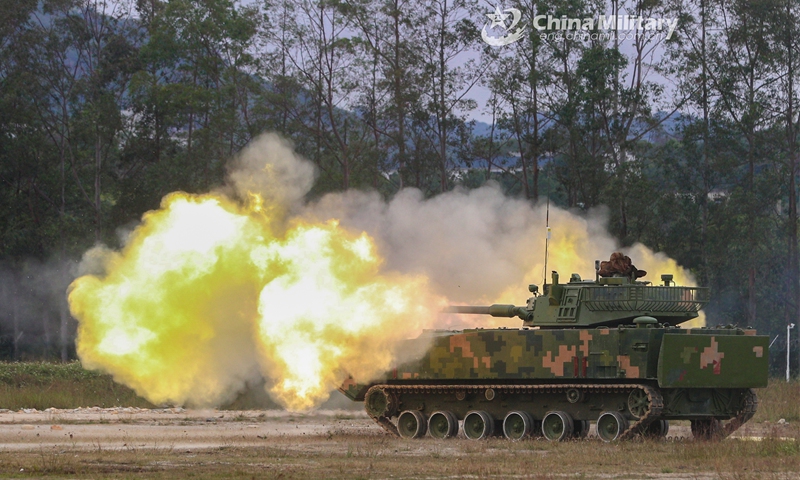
(683, 359)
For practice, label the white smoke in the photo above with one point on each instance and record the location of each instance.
(269, 166)
(475, 246)
(480, 246)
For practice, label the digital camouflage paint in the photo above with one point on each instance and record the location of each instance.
(603, 350)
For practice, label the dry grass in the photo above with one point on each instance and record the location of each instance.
(42, 385)
(374, 455)
(61, 385)
(779, 400)
(367, 456)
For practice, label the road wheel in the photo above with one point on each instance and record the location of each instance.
(557, 426)
(411, 424)
(478, 425)
(517, 425)
(657, 429)
(707, 429)
(443, 424)
(610, 426)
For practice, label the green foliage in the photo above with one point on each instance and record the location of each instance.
(778, 401)
(46, 385)
(103, 111)
(42, 385)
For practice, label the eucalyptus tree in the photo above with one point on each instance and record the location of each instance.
(78, 59)
(619, 92)
(742, 74)
(687, 60)
(787, 34)
(490, 149)
(283, 97)
(447, 34)
(31, 212)
(210, 44)
(535, 115)
(99, 38)
(389, 31)
(25, 162)
(152, 88)
(730, 60)
(324, 60)
(786, 126)
(519, 75)
(372, 100)
(572, 141)
(71, 63)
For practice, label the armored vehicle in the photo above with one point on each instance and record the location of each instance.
(605, 351)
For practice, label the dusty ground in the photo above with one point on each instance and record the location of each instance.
(170, 443)
(123, 428)
(177, 428)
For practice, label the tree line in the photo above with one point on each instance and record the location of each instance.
(690, 142)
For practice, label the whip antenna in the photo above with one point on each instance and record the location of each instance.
(546, 244)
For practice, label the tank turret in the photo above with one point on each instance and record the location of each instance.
(606, 301)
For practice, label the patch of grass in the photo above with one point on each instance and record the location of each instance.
(61, 385)
(780, 399)
(345, 416)
(43, 385)
(354, 456)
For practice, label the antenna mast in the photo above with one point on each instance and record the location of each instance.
(546, 244)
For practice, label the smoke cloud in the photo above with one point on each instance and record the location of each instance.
(212, 292)
(269, 167)
(480, 246)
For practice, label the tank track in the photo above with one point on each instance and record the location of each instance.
(744, 415)
(386, 424)
(654, 412)
(655, 400)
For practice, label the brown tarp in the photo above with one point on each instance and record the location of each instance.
(621, 266)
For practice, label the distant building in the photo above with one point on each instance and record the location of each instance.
(718, 194)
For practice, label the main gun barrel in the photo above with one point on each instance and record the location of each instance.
(496, 310)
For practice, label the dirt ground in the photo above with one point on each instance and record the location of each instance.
(122, 428)
(178, 443)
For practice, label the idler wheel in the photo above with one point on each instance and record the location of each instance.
(443, 424)
(638, 403)
(517, 425)
(379, 402)
(581, 429)
(411, 424)
(478, 425)
(610, 426)
(707, 429)
(557, 426)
